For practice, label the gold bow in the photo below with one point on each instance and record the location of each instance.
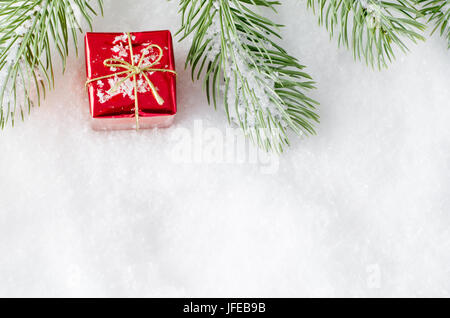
(132, 70)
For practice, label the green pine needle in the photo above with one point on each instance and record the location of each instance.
(29, 30)
(438, 11)
(262, 86)
(372, 28)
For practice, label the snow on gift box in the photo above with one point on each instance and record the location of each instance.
(131, 80)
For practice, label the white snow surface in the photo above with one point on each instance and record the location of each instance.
(361, 209)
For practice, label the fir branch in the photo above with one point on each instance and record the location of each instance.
(438, 11)
(29, 30)
(372, 28)
(263, 87)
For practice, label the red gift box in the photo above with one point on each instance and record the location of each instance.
(131, 86)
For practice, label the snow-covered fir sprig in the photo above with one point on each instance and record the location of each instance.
(438, 11)
(28, 30)
(372, 28)
(263, 87)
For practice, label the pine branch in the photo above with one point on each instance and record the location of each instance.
(262, 86)
(29, 30)
(372, 28)
(438, 11)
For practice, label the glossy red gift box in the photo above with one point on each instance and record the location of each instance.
(112, 96)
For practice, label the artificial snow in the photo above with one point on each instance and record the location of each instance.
(361, 209)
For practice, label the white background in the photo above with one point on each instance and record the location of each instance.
(361, 209)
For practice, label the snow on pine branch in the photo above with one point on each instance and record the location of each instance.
(261, 85)
(248, 78)
(26, 29)
(16, 21)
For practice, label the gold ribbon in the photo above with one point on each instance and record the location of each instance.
(132, 70)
